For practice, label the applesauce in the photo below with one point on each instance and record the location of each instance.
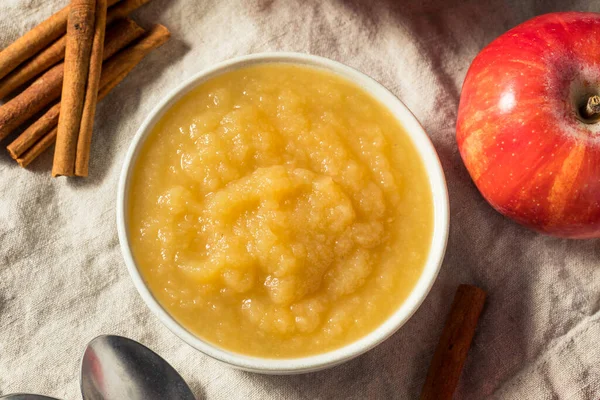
(279, 211)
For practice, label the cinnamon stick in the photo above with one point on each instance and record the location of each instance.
(35, 40)
(84, 138)
(28, 147)
(80, 39)
(55, 53)
(451, 352)
(47, 88)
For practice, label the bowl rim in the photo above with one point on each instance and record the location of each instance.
(426, 152)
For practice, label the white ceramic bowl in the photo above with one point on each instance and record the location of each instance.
(394, 322)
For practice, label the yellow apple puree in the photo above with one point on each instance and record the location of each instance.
(279, 211)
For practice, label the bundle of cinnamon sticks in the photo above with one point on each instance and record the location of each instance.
(60, 69)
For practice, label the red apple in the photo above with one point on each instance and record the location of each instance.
(527, 126)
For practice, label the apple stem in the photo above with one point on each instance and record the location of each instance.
(591, 111)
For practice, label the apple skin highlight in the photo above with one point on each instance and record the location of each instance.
(531, 151)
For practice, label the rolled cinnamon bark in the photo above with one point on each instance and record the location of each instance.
(47, 88)
(86, 126)
(42, 133)
(80, 39)
(35, 40)
(454, 344)
(55, 53)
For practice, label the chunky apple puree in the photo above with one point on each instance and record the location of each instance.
(279, 211)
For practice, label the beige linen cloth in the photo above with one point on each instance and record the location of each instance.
(63, 280)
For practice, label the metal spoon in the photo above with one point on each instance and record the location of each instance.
(117, 368)
(24, 396)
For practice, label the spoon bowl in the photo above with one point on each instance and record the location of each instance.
(116, 368)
